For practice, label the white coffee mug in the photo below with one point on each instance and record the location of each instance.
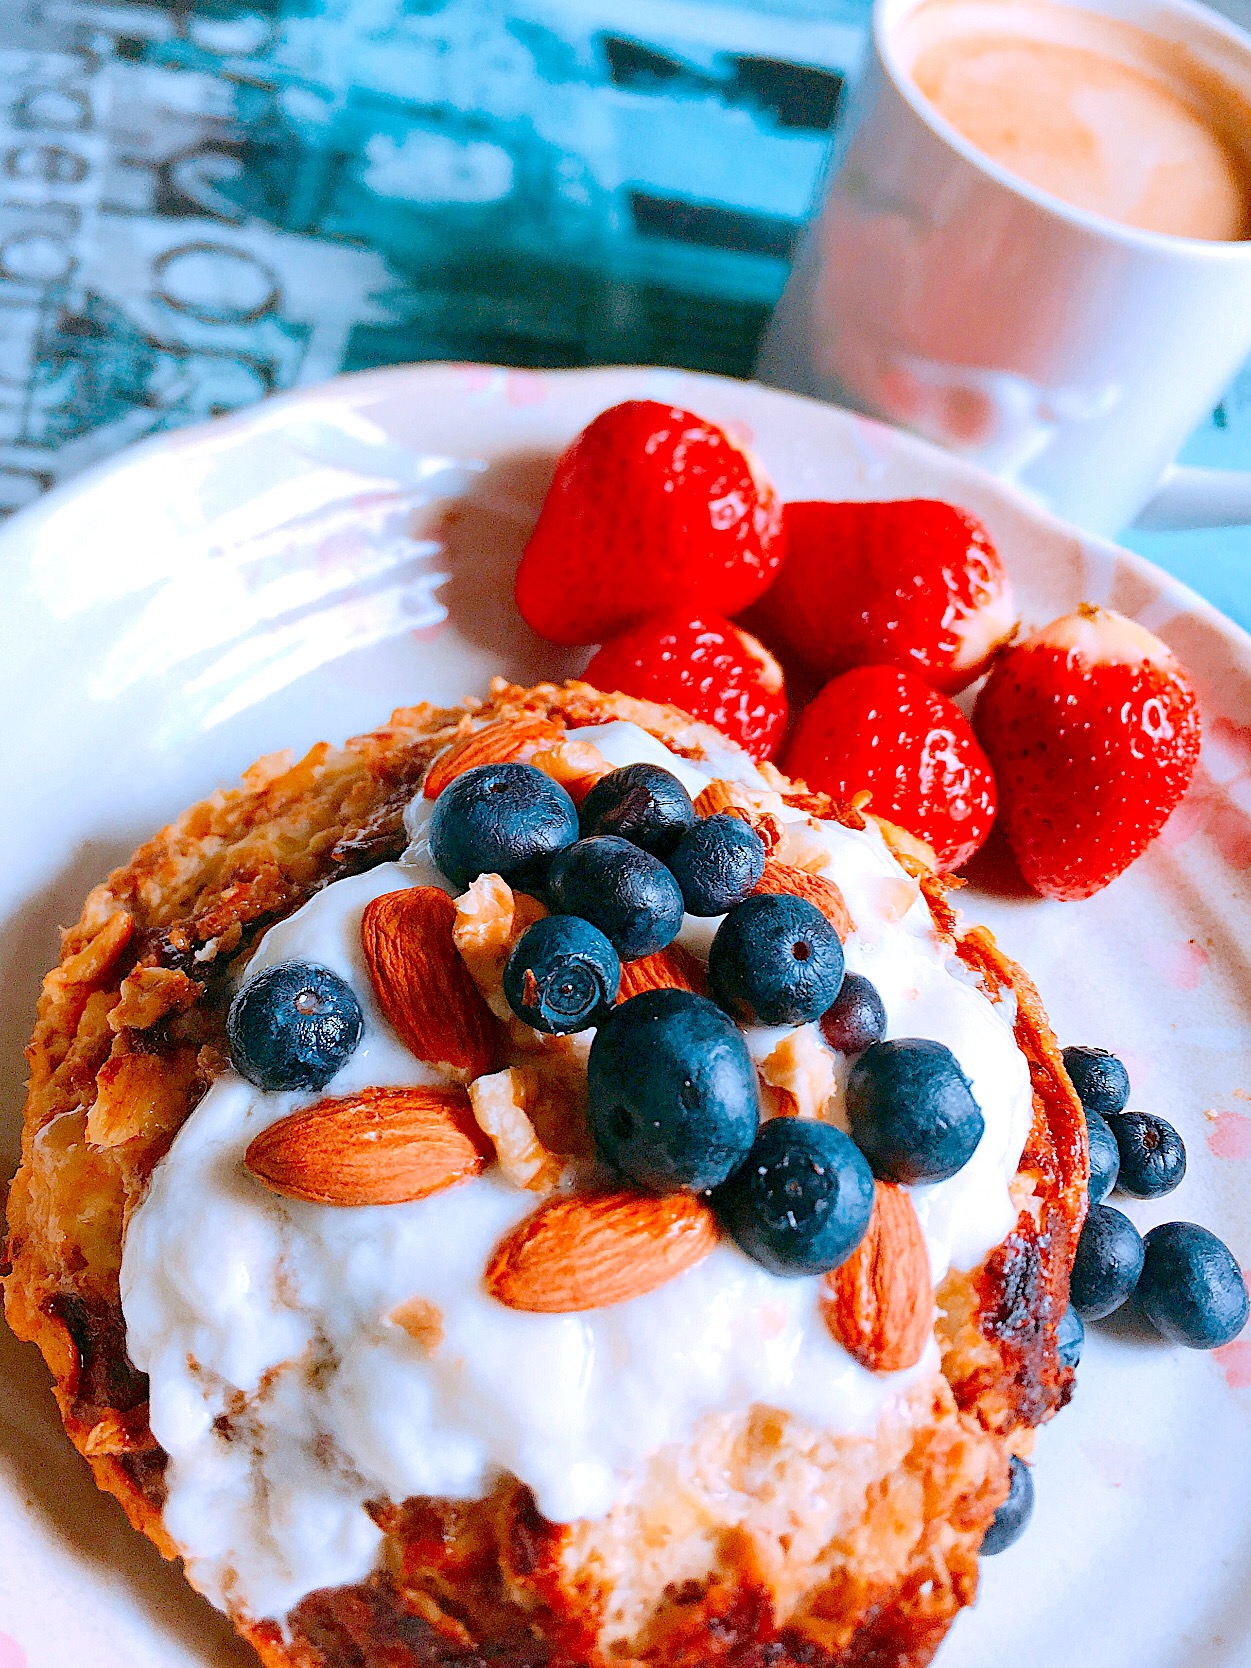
(1059, 349)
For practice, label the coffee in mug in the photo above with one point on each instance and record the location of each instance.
(1094, 110)
(1035, 247)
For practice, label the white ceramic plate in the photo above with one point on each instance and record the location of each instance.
(294, 573)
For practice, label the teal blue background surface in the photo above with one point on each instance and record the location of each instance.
(202, 203)
(1216, 561)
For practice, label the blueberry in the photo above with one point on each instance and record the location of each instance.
(775, 960)
(672, 1097)
(911, 1110)
(627, 893)
(1070, 1336)
(1105, 1158)
(857, 1018)
(563, 975)
(1107, 1265)
(717, 863)
(1191, 1287)
(643, 803)
(293, 1026)
(801, 1203)
(504, 819)
(1101, 1081)
(1011, 1520)
(1152, 1154)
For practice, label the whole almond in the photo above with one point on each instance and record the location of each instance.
(510, 738)
(879, 1304)
(672, 968)
(378, 1147)
(588, 1252)
(423, 986)
(783, 877)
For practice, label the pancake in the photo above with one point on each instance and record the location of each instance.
(830, 1518)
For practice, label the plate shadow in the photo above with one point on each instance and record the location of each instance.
(483, 535)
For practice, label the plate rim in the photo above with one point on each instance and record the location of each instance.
(234, 428)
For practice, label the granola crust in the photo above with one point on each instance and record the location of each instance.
(130, 1034)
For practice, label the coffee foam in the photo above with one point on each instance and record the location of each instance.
(1097, 112)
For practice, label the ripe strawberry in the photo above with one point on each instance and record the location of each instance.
(915, 583)
(704, 665)
(882, 728)
(650, 508)
(1093, 729)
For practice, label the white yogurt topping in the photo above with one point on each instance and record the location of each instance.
(286, 1398)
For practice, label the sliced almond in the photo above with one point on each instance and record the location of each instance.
(818, 889)
(423, 986)
(670, 969)
(499, 743)
(119, 1432)
(803, 849)
(576, 765)
(801, 1067)
(777, 1103)
(147, 994)
(736, 800)
(554, 1089)
(91, 960)
(422, 1320)
(378, 1147)
(590, 1252)
(720, 795)
(139, 1095)
(879, 1304)
(896, 895)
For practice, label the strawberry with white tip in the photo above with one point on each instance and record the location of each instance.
(1093, 730)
